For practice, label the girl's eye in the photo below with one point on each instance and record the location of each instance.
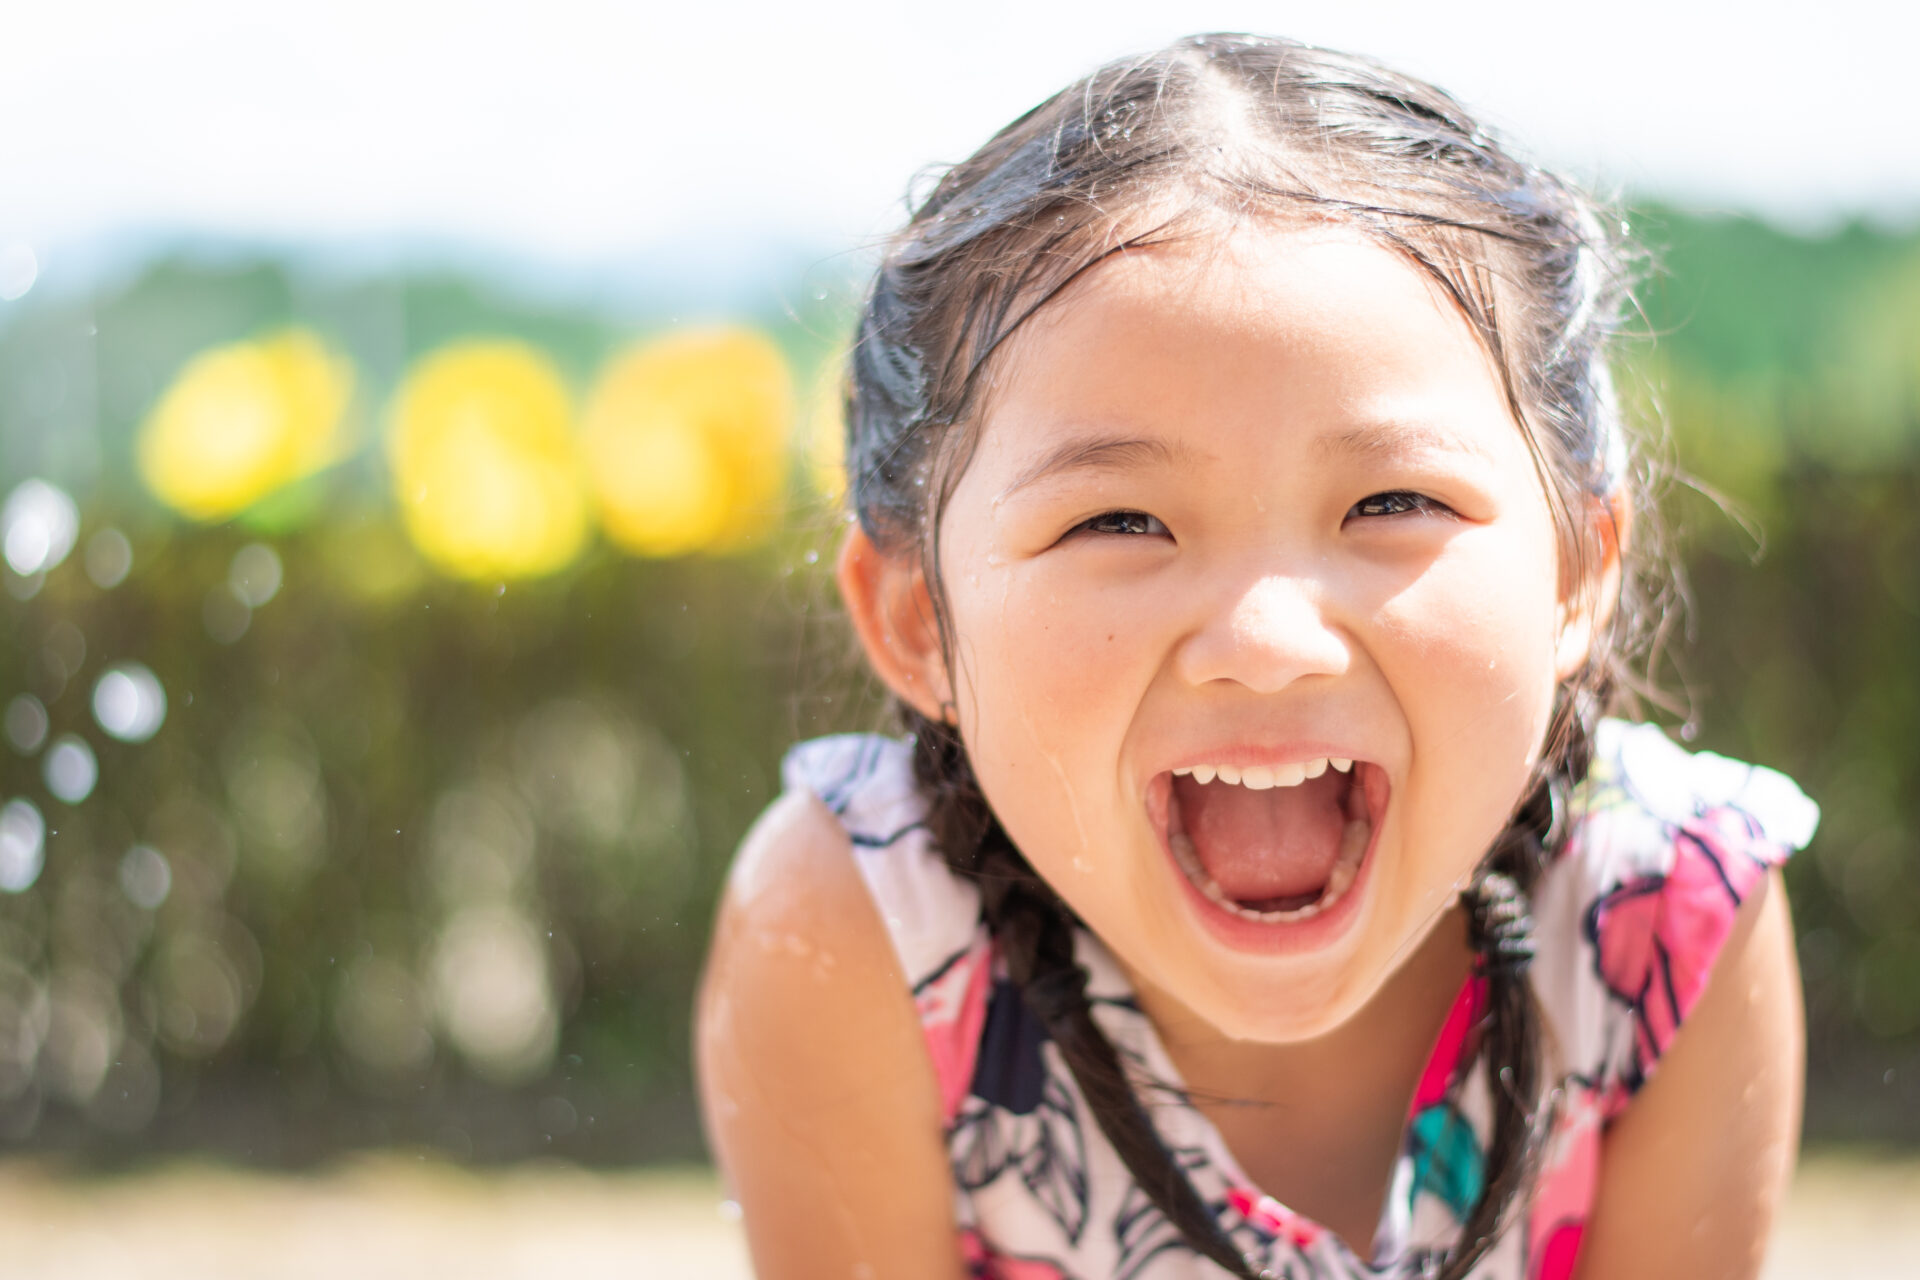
(1396, 502)
(1125, 523)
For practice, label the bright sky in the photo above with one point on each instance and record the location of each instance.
(580, 132)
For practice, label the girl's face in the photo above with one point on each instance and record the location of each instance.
(1244, 505)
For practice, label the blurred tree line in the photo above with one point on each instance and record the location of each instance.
(1788, 370)
(322, 827)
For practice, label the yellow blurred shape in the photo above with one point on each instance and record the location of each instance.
(686, 441)
(486, 463)
(243, 420)
(826, 431)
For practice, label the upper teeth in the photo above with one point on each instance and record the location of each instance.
(1260, 777)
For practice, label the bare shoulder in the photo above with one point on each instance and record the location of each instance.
(1695, 1169)
(818, 1093)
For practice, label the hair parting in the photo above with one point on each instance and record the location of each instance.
(1210, 132)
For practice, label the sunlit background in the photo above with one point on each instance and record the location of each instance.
(418, 456)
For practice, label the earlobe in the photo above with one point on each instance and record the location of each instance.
(892, 612)
(1585, 612)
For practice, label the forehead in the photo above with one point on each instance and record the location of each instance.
(1263, 327)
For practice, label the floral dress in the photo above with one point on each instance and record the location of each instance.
(1663, 848)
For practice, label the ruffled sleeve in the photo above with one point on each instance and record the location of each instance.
(932, 916)
(1665, 848)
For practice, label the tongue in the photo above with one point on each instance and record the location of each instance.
(1265, 845)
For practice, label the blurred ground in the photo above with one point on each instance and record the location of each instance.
(1851, 1218)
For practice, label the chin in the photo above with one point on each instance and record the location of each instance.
(1262, 999)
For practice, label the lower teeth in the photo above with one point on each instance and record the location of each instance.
(1353, 848)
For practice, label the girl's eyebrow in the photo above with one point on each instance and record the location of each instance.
(1374, 439)
(1099, 453)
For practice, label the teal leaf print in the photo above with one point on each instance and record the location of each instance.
(1447, 1160)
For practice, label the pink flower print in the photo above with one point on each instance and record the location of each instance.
(1274, 1218)
(1656, 937)
(952, 1003)
(1563, 1195)
(984, 1264)
(1555, 1255)
(1448, 1051)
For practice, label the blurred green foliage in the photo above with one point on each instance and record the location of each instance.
(439, 858)
(1788, 369)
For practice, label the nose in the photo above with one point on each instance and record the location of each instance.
(1266, 634)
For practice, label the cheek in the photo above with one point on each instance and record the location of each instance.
(1047, 679)
(1481, 622)
(1472, 667)
(1037, 664)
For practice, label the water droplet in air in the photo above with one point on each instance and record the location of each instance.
(18, 270)
(145, 876)
(37, 527)
(129, 702)
(26, 723)
(70, 769)
(109, 558)
(23, 845)
(226, 614)
(254, 574)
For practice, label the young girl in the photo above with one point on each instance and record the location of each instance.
(1256, 891)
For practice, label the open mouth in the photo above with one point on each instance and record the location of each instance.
(1275, 844)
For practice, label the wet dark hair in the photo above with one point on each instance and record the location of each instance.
(1207, 133)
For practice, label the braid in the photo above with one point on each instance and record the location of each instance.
(1500, 931)
(1034, 933)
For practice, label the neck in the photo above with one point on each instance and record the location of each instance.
(1318, 1123)
(1399, 1022)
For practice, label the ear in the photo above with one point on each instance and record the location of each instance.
(1587, 607)
(892, 612)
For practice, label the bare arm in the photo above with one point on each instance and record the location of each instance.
(818, 1093)
(1694, 1170)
